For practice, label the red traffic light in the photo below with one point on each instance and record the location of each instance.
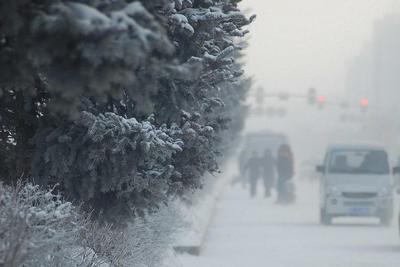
(321, 99)
(364, 102)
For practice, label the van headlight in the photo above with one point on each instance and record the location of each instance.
(334, 191)
(384, 191)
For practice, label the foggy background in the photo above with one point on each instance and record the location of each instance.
(346, 50)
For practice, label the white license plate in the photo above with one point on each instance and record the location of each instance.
(359, 211)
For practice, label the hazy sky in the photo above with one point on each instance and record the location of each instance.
(296, 44)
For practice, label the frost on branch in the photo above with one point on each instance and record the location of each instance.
(101, 51)
(107, 160)
(122, 103)
(37, 228)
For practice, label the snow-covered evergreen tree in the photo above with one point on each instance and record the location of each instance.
(123, 103)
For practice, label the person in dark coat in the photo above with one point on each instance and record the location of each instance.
(285, 169)
(242, 178)
(268, 172)
(253, 169)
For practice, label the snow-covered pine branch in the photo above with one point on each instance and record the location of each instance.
(124, 104)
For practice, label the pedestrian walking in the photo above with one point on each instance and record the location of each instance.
(268, 172)
(285, 169)
(253, 169)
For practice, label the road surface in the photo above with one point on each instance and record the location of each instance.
(255, 232)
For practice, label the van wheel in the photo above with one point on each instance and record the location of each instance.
(325, 218)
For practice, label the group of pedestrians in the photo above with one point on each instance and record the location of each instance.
(274, 172)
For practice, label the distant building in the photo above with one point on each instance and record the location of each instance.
(375, 74)
(360, 78)
(386, 63)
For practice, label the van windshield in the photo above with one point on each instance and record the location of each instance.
(358, 162)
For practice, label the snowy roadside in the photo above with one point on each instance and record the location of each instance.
(199, 215)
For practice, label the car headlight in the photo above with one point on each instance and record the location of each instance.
(384, 191)
(334, 191)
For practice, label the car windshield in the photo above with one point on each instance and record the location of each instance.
(358, 162)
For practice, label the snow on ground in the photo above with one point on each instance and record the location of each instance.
(255, 232)
(199, 214)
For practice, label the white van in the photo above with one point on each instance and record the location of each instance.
(356, 181)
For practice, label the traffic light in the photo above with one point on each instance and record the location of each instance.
(364, 103)
(312, 96)
(321, 101)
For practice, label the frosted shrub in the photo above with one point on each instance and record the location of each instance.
(149, 239)
(100, 245)
(37, 228)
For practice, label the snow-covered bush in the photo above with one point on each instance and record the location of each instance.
(144, 242)
(37, 228)
(149, 239)
(100, 245)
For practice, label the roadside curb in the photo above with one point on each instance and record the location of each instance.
(197, 246)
